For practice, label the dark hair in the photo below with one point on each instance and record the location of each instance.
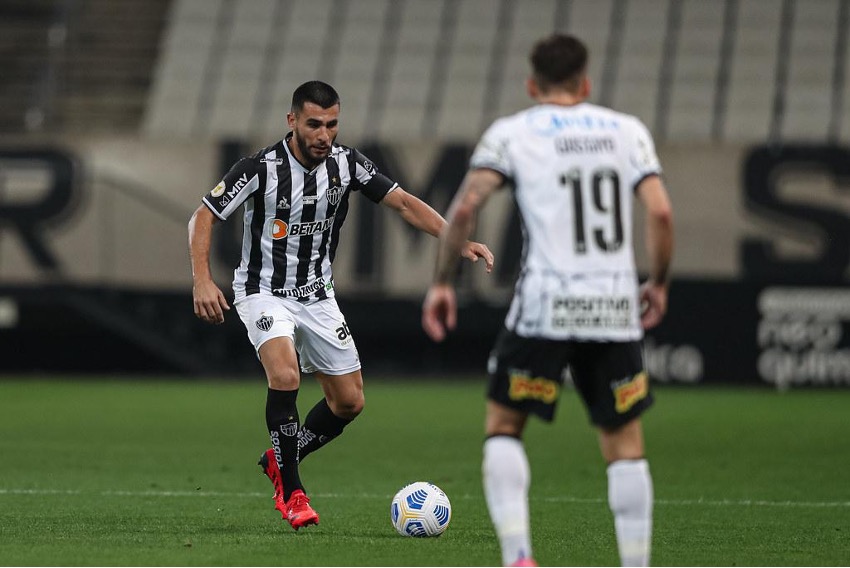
(559, 60)
(315, 92)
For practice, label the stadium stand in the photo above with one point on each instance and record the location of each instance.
(731, 70)
(77, 66)
(695, 71)
(736, 70)
(812, 42)
(752, 81)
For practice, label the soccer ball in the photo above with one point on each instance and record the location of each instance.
(420, 509)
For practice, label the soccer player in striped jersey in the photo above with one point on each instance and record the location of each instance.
(576, 168)
(295, 195)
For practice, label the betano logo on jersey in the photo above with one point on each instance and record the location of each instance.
(522, 387)
(281, 229)
(629, 391)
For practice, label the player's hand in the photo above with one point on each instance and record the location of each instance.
(473, 251)
(439, 311)
(210, 303)
(653, 301)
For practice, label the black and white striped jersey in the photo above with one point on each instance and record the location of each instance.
(292, 217)
(574, 169)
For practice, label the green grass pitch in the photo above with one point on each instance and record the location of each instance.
(159, 472)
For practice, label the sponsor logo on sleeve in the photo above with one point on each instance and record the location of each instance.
(218, 190)
(238, 185)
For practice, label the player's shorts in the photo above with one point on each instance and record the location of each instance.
(321, 336)
(527, 374)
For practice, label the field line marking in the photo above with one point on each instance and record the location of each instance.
(561, 499)
(711, 502)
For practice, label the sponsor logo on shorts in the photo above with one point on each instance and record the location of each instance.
(523, 387)
(218, 190)
(343, 334)
(629, 391)
(265, 323)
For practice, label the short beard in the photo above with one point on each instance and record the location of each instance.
(305, 152)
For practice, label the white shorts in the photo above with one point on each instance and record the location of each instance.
(318, 330)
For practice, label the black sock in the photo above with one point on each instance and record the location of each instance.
(283, 425)
(320, 427)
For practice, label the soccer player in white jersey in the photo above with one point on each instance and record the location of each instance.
(575, 168)
(295, 195)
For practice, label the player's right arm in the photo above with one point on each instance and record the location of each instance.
(235, 187)
(439, 311)
(659, 245)
(209, 301)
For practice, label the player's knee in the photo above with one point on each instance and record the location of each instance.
(348, 409)
(283, 378)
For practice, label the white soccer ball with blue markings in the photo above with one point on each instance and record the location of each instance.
(420, 509)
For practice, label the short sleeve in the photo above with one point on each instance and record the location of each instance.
(367, 178)
(492, 150)
(643, 161)
(235, 187)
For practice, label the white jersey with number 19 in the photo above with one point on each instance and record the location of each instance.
(574, 170)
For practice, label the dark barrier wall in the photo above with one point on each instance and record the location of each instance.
(715, 332)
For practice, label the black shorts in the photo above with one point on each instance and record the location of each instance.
(527, 374)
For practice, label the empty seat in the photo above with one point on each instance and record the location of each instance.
(808, 92)
(695, 72)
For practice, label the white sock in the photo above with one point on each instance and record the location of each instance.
(506, 481)
(630, 498)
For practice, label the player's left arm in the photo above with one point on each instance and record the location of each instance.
(659, 244)
(422, 216)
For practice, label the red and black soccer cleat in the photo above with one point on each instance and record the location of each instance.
(299, 512)
(272, 471)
